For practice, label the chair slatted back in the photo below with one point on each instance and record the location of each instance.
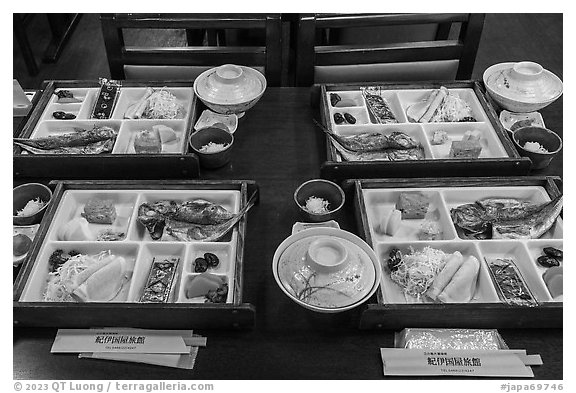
(191, 59)
(312, 58)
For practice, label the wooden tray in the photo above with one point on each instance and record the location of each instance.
(484, 312)
(506, 161)
(30, 309)
(105, 166)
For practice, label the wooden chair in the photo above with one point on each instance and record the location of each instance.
(187, 62)
(321, 58)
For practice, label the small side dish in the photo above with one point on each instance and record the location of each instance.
(509, 282)
(378, 106)
(442, 105)
(160, 279)
(212, 147)
(432, 274)
(156, 104)
(76, 277)
(33, 206)
(99, 211)
(212, 287)
(317, 205)
(535, 147)
(66, 97)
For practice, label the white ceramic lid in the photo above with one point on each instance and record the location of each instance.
(524, 81)
(229, 84)
(338, 285)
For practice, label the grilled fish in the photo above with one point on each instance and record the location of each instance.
(200, 211)
(200, 218)
(104, 146)
(416, 153)
(371, 142)
(207, 233)
(79, 138)
(498, 218)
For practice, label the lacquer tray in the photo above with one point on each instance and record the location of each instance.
(498, 156)
(138, 249)
(394, 310)
(174, 162)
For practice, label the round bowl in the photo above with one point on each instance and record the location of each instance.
(319, 188)
(344, 285)
(230, 89)
(522, 87)
(204, 136)
(546, 138)
(27, 192)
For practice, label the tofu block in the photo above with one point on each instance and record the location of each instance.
(439, 137)
(472, 136)
(413, 205)
(465, 149)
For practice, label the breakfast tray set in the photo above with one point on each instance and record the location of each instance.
(174, 162)
(372, 187)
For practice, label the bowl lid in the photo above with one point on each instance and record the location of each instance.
(524, 81)
(229, 84)
(316, 289)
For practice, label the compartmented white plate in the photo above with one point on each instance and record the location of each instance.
(399, 100)
(524, 252)
(126, 128)
(136, 247)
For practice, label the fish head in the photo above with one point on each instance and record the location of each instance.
(153, 220)
(165, 208)
(210, 212)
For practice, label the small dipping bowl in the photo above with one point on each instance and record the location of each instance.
(327, 255)
(215, 135)
(24, 193)
(546, 138)
(319, 188)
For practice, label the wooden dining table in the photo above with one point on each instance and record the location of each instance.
(277, 145)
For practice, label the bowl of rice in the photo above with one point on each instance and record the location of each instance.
(319, 200)
(29, 202)
(213, 146)
(539, 144)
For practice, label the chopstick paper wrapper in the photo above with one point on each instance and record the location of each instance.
(460, 363)
(183, 361)
(120, 341)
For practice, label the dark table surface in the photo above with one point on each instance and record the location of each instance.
(277, 145)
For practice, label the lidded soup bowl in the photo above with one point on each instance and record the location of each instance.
(326, 270)
(230, 89)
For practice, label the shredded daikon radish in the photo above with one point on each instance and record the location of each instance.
(63, 277)
(212, 147)
(317, 205)
(417, 270)
(32, 207)
(163, 105)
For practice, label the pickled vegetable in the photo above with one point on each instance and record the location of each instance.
(211, 259)
(395, 257)
(335, 99)
(548, 261)
(553, 252)
(200, 265)
(349, 118)
(63, 115)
